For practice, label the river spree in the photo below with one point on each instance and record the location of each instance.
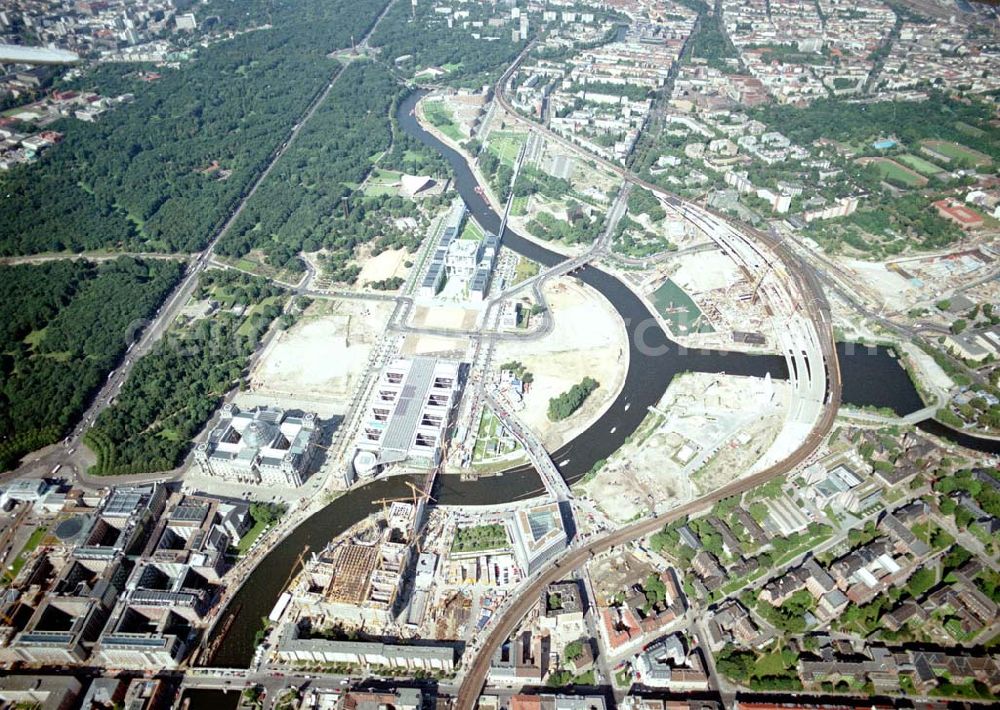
(871, 377)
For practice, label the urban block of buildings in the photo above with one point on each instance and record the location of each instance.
(464, 266)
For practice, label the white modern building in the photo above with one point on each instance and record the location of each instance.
(466, 264)
(292, 649)
(434, 278)
(262, 446)
(408, 416)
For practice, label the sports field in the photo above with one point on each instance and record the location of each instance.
(892, 170)
(925, 167)
(957, 151)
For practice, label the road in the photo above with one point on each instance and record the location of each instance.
(69, 457)
(817, 309)
(92, 256)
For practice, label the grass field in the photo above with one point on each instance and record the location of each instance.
(971, 130)
(525, 270)
(254, 263)
(922, 166)
(771, 664)
(677, 308)
(506, 144)
(247, 325)
(892, 170)
(382, 182)
(442, 118)
(33, 541)
(251, 536)
(957, 151)
(471, 231)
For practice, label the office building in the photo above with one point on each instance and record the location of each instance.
(408, 416)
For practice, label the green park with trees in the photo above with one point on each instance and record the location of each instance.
(173, 391)
(64, 325)
(136, 179)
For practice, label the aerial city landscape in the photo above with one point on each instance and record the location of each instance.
(499, 354)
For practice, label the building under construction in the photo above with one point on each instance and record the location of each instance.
(357, 580)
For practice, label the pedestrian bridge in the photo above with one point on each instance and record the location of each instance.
(553, 481)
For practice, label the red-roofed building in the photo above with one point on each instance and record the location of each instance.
(621, 626)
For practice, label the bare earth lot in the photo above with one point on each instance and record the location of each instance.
(708, 430)
(319, 361)
(386, 265)
(588, 340)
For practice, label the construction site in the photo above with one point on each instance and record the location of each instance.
(414, 571)
(707, 431)
(588, 339)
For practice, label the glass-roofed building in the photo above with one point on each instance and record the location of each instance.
(264, 445)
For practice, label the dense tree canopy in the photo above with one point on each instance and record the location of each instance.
(939, 117)
(64, 325)
(174, 390)
(295, 209)
(144, 176)
(422, 34)
(572, 399)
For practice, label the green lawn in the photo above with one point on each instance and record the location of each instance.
(247, 325)
(33, 338)
(382, 182)
(252, 534)
(919, 164)
(677, 308)
(506, 145)
(487, 439)
(525, 270)
(809, 543)
(34, 540)
(957, 151)
(770, 664)
(892, 170)
(471, 231)
(414, 155)
(442, 118)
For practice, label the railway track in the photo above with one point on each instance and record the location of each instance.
(817, 309)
